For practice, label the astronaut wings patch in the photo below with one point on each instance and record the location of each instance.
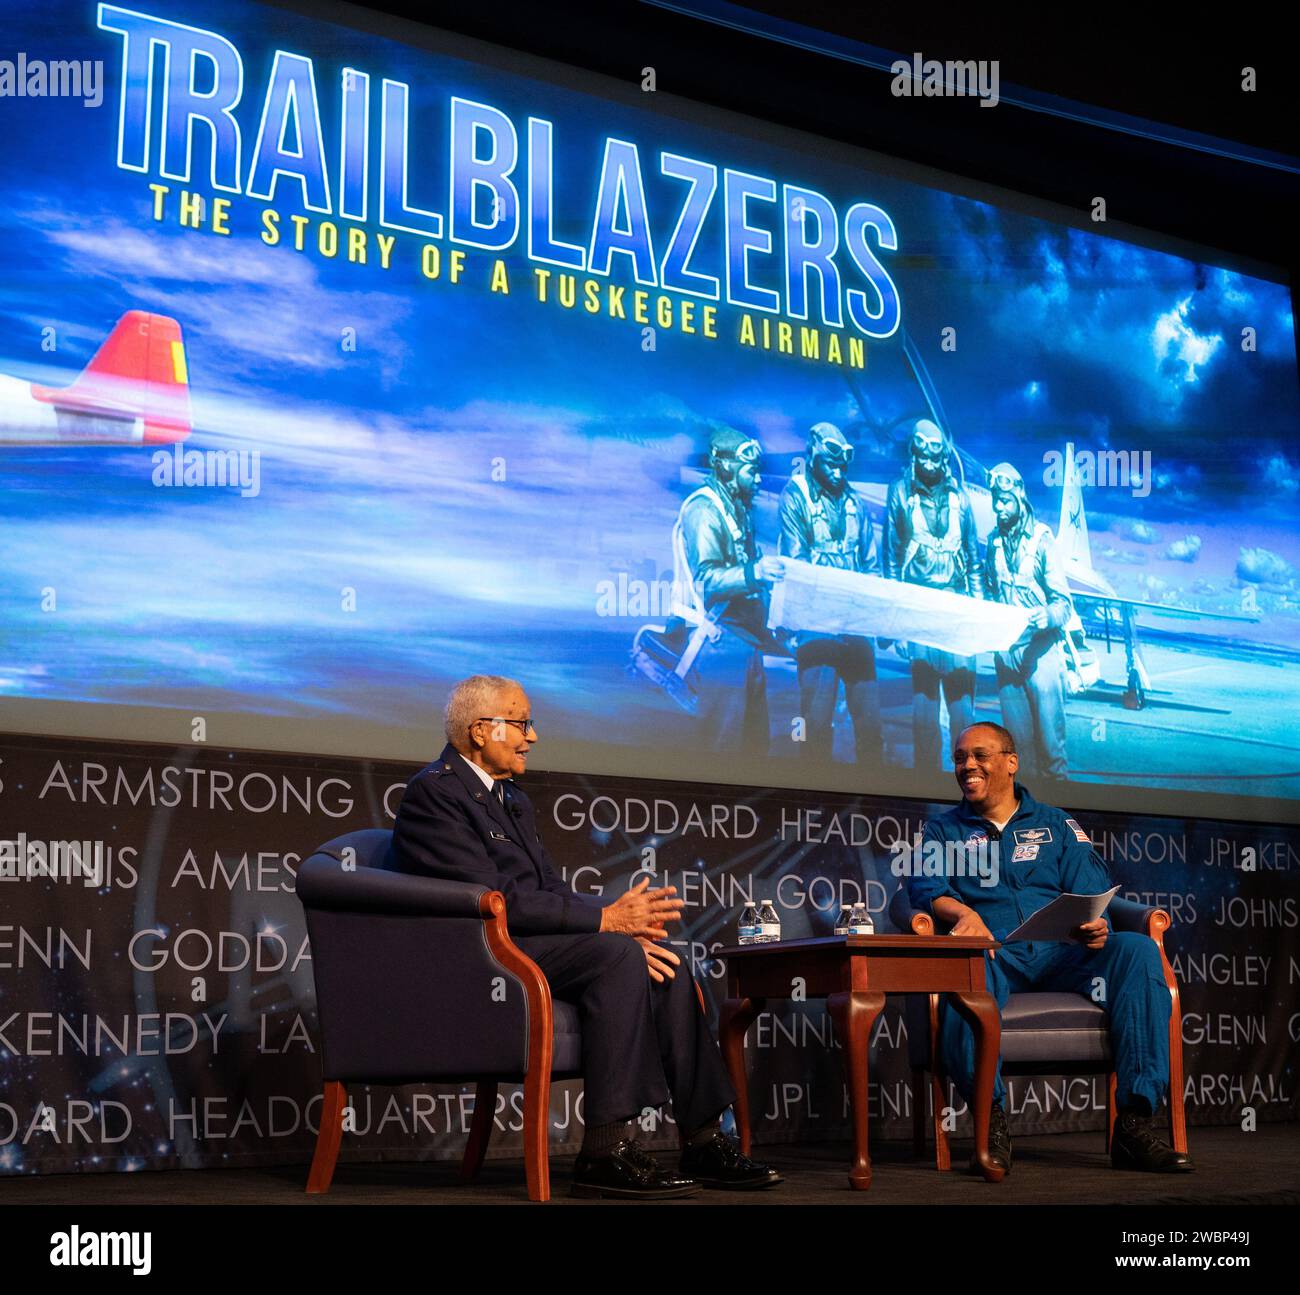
(1079, 833)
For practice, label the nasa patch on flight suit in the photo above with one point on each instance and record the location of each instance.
(1023, 853)
(1079, 834)
(1033, 836)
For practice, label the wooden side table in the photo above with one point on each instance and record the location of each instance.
(854, 973)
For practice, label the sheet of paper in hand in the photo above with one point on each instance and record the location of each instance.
(826, 600)
(1058, 921)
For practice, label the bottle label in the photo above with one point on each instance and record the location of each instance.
(770, 930)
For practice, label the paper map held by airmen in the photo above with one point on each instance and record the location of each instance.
(827, 600)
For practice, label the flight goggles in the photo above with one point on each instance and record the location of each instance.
(836, 453)
(924, 444)
(748, 452)
(1005, 478)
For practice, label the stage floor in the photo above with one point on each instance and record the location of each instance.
(1233, 1168)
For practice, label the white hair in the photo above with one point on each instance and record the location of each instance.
(472, 699)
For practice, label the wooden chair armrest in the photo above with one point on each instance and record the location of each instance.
(537, 993)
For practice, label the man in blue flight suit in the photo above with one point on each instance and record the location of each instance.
(1042, 854)
(644, 1038)
(824, 522)
(1021, 568)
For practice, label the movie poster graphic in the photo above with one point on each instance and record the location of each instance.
(331, 361)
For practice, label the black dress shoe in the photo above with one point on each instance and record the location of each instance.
(999, 1141)
(1136, 1145)
(720, 1163)
(628, 1173)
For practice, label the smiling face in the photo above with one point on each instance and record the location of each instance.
(501, 747)
(985, 771)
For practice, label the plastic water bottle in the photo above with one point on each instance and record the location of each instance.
(844, 921)
(860, 922)
(748, 925)
(769, 924)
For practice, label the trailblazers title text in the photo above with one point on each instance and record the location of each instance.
(658, 222)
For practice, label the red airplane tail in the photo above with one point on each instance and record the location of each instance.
(138, 372)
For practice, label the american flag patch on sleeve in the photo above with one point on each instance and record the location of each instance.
(1079, 833)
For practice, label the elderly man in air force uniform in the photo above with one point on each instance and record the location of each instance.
(645, 1040)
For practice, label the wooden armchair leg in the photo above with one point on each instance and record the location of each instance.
(1111, 1110)
(537, 1114)
(328, 1137)
(918, 1111)
(942, 1155)
(1177, 1115)
(1157, 924)
(480, 1129)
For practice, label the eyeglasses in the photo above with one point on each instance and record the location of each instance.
(525, 726)
(980, 756)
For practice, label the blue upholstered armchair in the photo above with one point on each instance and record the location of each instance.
(1042, 1033)
(417, 981)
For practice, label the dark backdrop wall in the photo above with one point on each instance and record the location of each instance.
(166, 1017)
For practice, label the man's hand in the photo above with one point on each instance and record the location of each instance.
(641, 912)
(1038, 618)
(1092, 935)
(965, 920)
(769, 570)
(659, 961)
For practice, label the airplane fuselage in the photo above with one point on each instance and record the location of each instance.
(24, 420)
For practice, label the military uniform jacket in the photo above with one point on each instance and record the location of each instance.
(827, 530)
(1041, 854)
(924, 543)
(450, 825)
(1023, 570)
(721, 553)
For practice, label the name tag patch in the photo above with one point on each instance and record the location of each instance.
(1033, 835)
(1022, 853)
(499, 836)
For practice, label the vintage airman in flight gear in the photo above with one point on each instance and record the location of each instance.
(721, 587)
(931, 539)
(1021, 568)
(824, 522)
